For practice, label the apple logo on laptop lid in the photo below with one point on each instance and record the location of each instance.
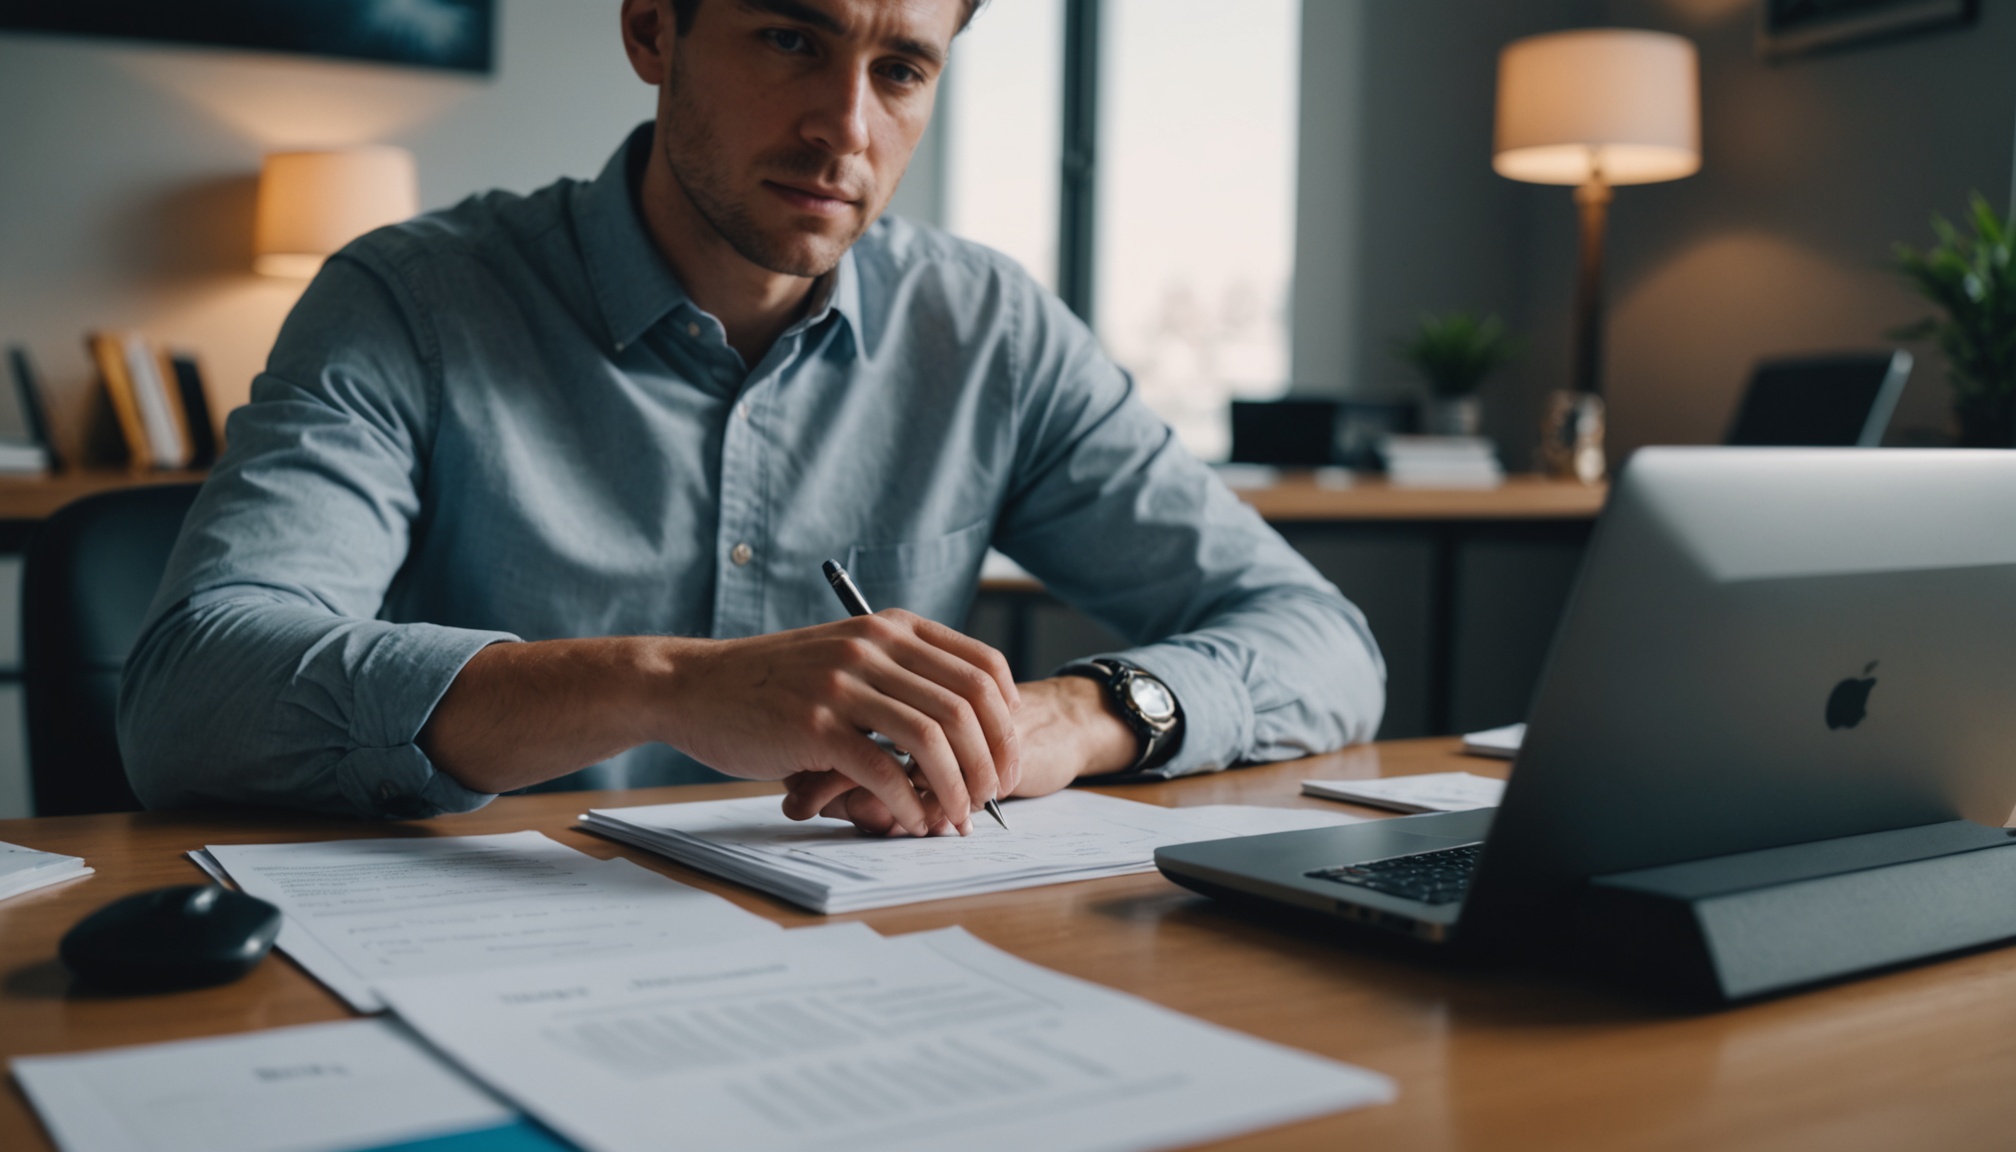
(1849, 702)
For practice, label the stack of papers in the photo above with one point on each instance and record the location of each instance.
(1431, 792)
(827, 866)
(26, 869)
(359, 911)
(1441, 461)
(835, 1038)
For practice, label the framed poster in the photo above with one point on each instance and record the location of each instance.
(454, 34)
(1796, 27)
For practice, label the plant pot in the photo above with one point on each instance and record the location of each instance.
(1986, 421)
(1455, 416)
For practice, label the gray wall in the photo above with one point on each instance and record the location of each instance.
(1812, 168)
(126, 194)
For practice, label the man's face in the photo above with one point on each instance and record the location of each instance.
(788, 123)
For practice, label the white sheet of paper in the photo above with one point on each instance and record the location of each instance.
(362, 910)
(1497, 743)
(317, 1088)
(834, 1038)
(828, 866)
(1431, 792)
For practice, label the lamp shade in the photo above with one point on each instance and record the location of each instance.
(313, 203)
(1617, 104)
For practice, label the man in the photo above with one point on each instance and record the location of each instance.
(544, 482)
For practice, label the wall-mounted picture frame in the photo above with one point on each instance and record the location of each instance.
(1788, 28)
(454, 34)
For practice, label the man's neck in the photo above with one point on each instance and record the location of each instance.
(754, 304)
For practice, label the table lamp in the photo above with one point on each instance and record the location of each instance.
(1594, 108)
(313, 203)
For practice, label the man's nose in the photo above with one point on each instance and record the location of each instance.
(839, 124)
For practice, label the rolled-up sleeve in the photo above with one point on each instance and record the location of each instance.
(262, 675)
(1268, 659)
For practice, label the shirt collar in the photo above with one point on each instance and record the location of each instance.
(632, 283)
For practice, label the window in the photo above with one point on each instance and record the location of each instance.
(1196, 204)
(1005, 118)
(1191, 246)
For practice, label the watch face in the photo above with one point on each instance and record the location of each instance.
(1151, 698)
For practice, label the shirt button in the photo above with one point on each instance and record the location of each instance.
(693, 330)
(740, 554)
(742, 410)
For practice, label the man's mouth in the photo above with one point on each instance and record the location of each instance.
(814, 199)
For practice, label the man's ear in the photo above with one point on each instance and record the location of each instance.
(648, 29)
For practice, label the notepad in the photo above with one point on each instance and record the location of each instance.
(26, 869)
(359, 911)
(828, 866)
(836, 1039)
(1432, 792)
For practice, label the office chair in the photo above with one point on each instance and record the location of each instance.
(91, 572)
(1841, 401)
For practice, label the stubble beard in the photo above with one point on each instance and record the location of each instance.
(692, 153)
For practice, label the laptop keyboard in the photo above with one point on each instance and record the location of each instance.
(1430, 877)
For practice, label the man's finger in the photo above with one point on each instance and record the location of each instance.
(949, 680)
(864, 762)
(964, 727)
(926, 742)
(806, 794)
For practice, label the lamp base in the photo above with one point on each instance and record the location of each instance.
(1571, 437)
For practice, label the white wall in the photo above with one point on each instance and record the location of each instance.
(127, 185)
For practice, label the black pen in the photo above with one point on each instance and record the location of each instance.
(857, 605)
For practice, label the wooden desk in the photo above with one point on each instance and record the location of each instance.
(1921, 1058)
(1298, 498)
(26, 501)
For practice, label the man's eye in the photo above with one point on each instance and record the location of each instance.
(903, 74)
(786, 40)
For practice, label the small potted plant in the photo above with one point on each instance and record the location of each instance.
(1970, 279)
(1454, 354)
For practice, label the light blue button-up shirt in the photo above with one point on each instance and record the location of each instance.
(507, 420)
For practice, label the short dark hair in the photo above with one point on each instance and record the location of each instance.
(683, 12)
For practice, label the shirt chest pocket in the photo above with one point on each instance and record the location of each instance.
(932, 576)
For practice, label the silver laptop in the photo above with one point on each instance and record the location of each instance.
(1766, 646)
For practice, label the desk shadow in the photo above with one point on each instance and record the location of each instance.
(1473, 990)
(43, 980)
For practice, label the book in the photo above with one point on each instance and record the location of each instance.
(34, 414)
(188, 377)
(164, 430)
(109, 353)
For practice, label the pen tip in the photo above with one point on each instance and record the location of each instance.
(993, 808)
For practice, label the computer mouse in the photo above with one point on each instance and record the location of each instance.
(183, 937)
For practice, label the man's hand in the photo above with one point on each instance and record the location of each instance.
(785, 705)
(1067, 730)
(802, 703)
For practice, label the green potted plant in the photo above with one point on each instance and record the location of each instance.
(1455, 354)
(1969, 277)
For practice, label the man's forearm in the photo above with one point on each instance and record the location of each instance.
(523, 713)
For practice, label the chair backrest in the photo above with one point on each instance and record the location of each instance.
(1836, 401)
(91, 572)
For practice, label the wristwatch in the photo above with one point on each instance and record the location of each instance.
(1144, 702)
